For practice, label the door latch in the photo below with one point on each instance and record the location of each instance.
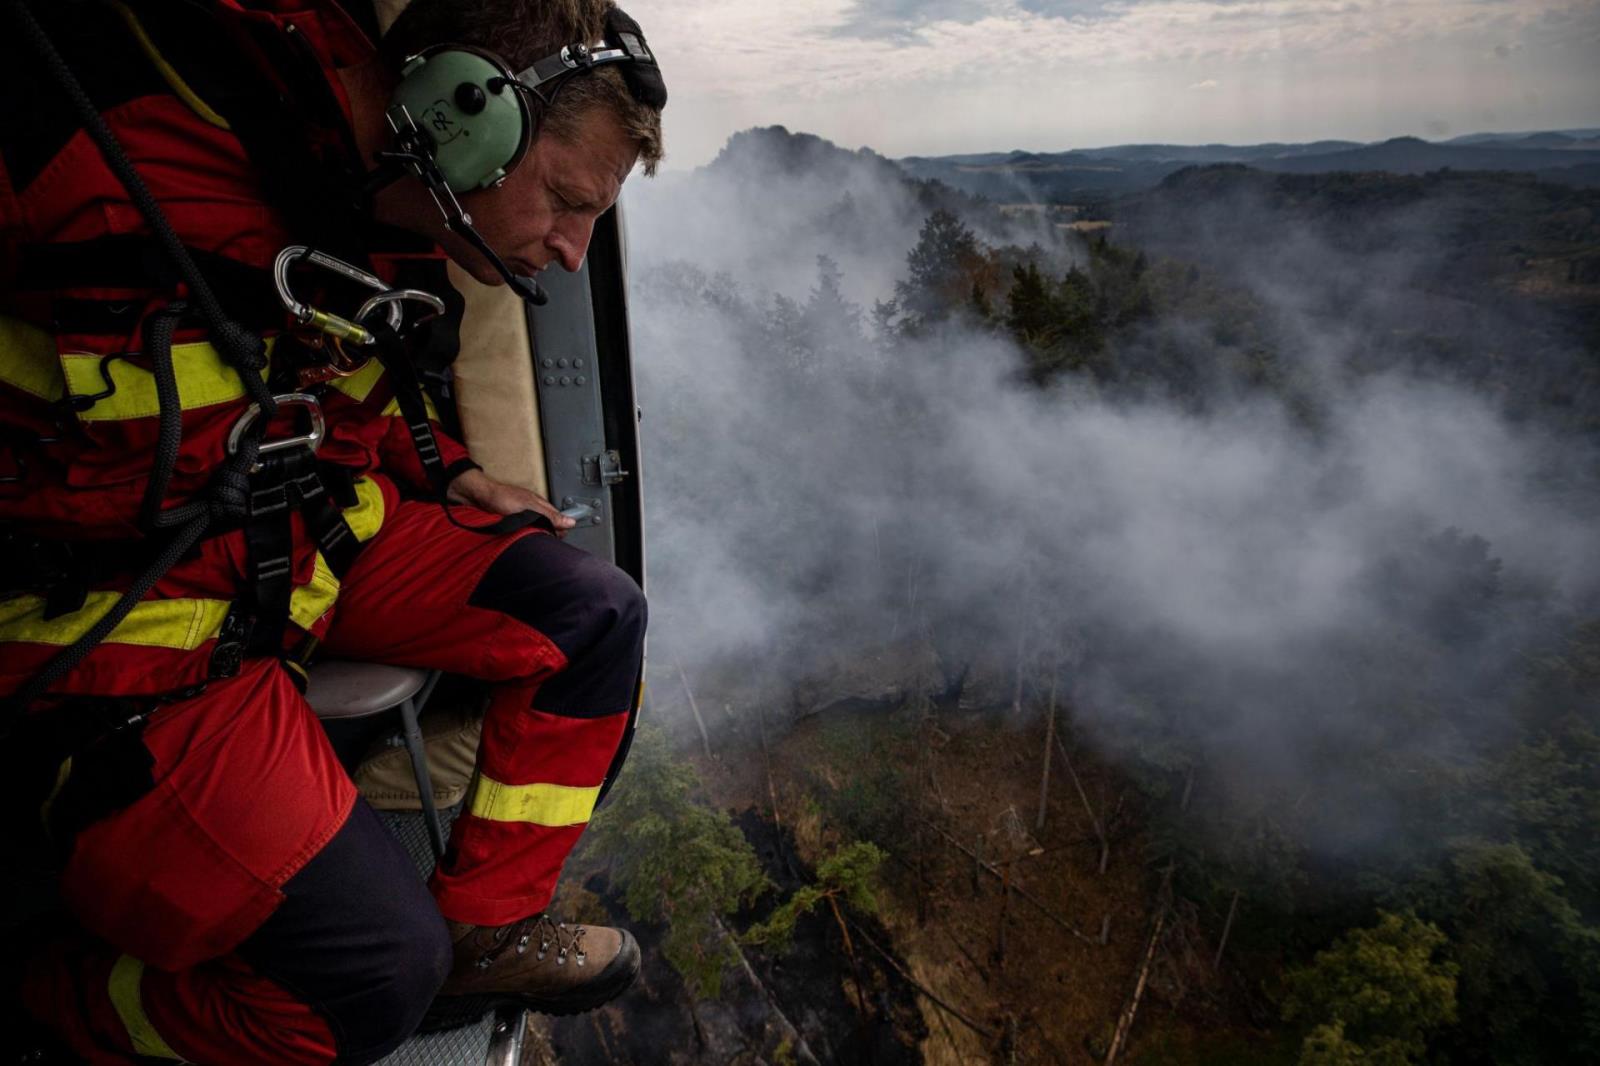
(603, 469)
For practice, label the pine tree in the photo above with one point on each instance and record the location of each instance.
(676, 861)
(940, 269)
(849, 874)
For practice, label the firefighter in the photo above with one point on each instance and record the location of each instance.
(232, 899)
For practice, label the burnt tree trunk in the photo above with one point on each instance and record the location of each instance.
(1005, 907)
(1049, 738)
(694, 708)
(1016, 691)
(1095, 822)
(1227, 927)
(1125, 1020)
(766, 760)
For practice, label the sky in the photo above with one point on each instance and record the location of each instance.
(934, 77)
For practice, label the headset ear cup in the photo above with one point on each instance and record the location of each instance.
(464, 101)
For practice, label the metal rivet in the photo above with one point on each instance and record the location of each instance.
(562, 363)
(565, 380)
(577, 364)
(581, 380)
(549, 379)
(548, 364)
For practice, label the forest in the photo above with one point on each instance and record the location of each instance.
(1168, 640)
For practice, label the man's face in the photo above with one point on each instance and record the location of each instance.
(544, 212)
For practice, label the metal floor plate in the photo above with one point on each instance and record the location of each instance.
(456, 1047)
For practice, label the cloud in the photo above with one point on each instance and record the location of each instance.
(903, 20)
(1209, 83)
(930, 76)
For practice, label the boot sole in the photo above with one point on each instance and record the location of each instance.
(455, 1012)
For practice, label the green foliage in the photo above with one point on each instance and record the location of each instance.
(1375, 996)
(1529, 962)
(849, 874)
(676, 860)
(941, 270)
(1058, 325)
(1326, 1045)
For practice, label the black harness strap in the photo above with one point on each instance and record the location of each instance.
(414, 411)
(286, 482)
(269, 535)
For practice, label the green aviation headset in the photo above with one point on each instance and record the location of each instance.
(463, 119)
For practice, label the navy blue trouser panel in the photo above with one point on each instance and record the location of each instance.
(590, 609)
(358, 937)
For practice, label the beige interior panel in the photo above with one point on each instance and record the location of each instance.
(494, 385)
(387, 11)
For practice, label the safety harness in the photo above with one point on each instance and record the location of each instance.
(261, 483)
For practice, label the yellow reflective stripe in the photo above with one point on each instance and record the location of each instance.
(366, 517)
(552, 805)
(185, 624)
(203, 380)
(28, 360)
(311, 601)
(181, 624)
(358, 385)
(168, 73)
(126, 976)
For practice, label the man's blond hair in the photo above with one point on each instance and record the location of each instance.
(522, 31)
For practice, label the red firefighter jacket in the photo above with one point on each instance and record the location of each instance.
(78, 406)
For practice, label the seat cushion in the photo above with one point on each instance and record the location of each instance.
(343, 689)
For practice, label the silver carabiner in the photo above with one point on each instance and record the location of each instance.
(394, 298)
(312, 438)
(325, 321)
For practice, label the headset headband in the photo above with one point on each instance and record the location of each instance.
(623, 43)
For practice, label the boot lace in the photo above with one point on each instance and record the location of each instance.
(519, 937)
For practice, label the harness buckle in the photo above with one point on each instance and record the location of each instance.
(312, 438)
(391, 299)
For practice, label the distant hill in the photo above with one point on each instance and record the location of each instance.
(775, 152)
(1524, 137)
(1569, 157)
(1412, 155)
(773, 187)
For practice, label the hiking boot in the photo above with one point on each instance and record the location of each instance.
(539, 964)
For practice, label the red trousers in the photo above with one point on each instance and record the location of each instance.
(247, 843)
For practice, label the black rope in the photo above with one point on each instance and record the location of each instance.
(229, 496)
(158, 330)
(240, 347)
(67, 660)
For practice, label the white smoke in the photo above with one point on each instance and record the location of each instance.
(814, 491)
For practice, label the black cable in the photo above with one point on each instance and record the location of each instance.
(228, 494)
(67, 660)
(240, 348)
(229, 502)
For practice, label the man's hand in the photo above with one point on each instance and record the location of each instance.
(477, 489)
